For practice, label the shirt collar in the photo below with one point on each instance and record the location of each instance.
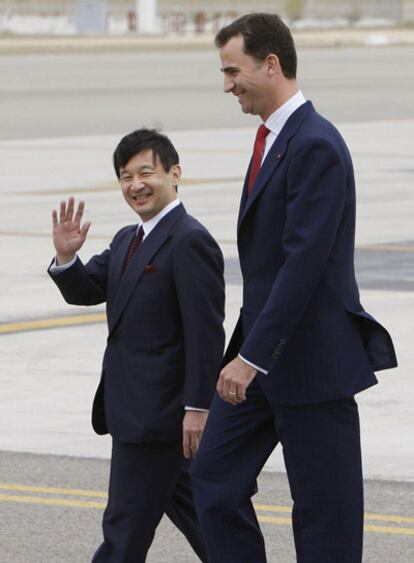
(149, 225)
(278, 118)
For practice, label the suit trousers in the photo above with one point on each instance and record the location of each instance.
(146, 481)
(321, 448)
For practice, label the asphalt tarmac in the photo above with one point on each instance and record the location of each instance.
(51, 509)
(101, 93)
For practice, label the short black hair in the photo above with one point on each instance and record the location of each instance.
(143, 140)
(263, 35)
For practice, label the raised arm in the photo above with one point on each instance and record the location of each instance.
(78, 284)
(68, 234)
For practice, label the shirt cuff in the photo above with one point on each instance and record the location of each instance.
(195, 409)
(253, 365)
(55, 269)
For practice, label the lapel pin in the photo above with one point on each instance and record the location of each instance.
(278, 156)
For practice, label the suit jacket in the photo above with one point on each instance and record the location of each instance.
(165, 326)
(301, 317)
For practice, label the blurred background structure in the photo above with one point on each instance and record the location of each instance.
(69, 17)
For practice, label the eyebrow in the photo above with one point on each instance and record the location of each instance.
(229, 68)
(140, 169)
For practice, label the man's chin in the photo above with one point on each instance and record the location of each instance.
(141, 210)
(246, 108)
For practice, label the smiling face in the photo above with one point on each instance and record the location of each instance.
(251, 80)
(146, 186)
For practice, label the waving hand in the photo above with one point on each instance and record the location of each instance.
(68, 234)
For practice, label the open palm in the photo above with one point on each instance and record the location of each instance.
(68, 234)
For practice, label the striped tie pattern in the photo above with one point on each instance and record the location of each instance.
(135, 244)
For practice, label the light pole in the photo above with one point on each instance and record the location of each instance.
(147, 16)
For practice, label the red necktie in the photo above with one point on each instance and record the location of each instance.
(135, 244)
(259, 145)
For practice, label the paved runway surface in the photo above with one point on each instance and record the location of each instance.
(379, 267)
(51, 509)
(88, 94)
(61, 117)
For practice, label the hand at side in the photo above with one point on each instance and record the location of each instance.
(234, 379)
(193, 428)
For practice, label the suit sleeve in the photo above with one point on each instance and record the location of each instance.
(198, 276)
(84, 284)
(316, 190)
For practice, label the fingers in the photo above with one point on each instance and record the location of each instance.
(225, 387)
(193, 427)
(79, 212)
(62, 215)
(66, 213)
(186, 444)
(229, 391)
(70, 208)
(84, 230)
(234, 394)
(191, 443)
(68, 235)
(233, 397)
(194, 444)
(234, 379)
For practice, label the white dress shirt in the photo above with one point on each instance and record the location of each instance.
(277, 120)
(275, 123)
(152, 223)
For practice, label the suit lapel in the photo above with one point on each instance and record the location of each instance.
(119, 258)
(136, 267)
(272, 160)
(244, 194)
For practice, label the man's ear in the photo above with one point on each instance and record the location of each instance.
(273, 64)
(176, 173)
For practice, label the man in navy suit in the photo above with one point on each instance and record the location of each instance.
(303, 345)
(164, 291)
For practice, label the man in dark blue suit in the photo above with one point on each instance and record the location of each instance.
(303, 345)
(164, 291)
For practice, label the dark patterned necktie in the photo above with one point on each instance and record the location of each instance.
(135, 244)
(259, 145)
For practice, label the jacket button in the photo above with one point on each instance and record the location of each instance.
(245, 279)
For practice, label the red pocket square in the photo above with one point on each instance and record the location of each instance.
(150, 268)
